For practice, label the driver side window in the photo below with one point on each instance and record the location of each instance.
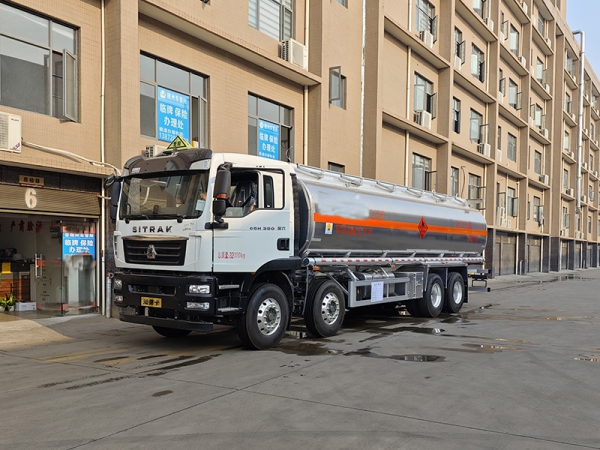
(243, 198)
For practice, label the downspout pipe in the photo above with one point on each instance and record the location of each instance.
(305, 90)
(362, 88)
(580, 117)
(102, 294)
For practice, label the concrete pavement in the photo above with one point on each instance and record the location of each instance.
(517, 369)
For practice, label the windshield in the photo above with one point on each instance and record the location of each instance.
(172, 196)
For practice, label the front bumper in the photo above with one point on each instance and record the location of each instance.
(166, 323)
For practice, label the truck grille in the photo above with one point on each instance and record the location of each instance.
(158, 252)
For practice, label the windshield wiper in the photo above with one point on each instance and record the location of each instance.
(179, 217)
(136, 217)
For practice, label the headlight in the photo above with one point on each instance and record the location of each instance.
(199, 289)
(203, 306)
(118, 284)
(118, 299)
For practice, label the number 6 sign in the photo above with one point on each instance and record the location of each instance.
(30, 198)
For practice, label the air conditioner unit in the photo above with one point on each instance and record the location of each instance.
(524, 6)
(563, 232)
(549, 42)
(545, 179)
(544, 132)
(457, 62)
(595, 173)
(571, 155)
(572, 115)
(499, 155)
(426, 37)
(423, 118)
(579, 235)
(569, 191)
(547, 87)
(509, 223)
(596, 142)
(584, 199)
(153, 150)
(586, 132)
(596, 110)
(10, 133)
(523, 61)
(490, 23)
(484, 149)
(584, 165)
(294, 52)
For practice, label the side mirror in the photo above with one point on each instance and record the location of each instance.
(114, 199)
(110, 180)
(221, 192)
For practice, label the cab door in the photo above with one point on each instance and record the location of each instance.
(256, 233)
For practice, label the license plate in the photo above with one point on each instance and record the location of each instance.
(152, 302)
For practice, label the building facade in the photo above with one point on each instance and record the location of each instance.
(478, 99)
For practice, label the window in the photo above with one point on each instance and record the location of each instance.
(475, 126)
(591, 162)
(421, 168)
(537, 115)
(454, 174)
(269, 129)
(459, 45)
(336, 167)
(477, 63)
(511, 147)
(514, 97)
(275, 18)
(537, 211)
(424, 96)
(540, 73)
(502, 83)
(512, 205)
(499, 138)
(568, 102)
(426, 18)
(565, 217)
(481, 8)
(38, 61)
(566, 141)
(173, 102)
(475, 190)
(343, 2)
(456, 115)
(337, 87)
(541, 24)
(514, 40)
(537, 162)
(565, 178)
(589, 224)
(570, 65)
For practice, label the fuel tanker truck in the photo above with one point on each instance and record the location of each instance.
(205, 238)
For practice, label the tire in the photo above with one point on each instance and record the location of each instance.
(263, 324)
(412, 308)
(455, 293)
(432, 302)
(172, 333)
(325, 308)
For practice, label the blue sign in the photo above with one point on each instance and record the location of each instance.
(268, 139)
(79, 244)
(173, 111)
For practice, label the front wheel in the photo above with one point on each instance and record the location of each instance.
(171, 332)
(455, 293)
(325, 308)
(430, 305)
(264, 323)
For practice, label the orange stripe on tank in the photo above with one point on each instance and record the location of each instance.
(388, 224)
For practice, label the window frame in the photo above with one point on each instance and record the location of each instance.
(285, 122)
(337, 94)
(511, 147)
(285, 11)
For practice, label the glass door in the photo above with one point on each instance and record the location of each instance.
(47, 269)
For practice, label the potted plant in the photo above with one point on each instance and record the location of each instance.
(2, 304)
(9, 301)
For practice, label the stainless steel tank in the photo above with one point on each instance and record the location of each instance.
(349, 214)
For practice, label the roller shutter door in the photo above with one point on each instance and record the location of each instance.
(534, 254)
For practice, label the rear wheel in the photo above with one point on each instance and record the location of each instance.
(412, 308)
(171, 332)
(455, 293)
(264, 323)
(325, 308)
(430, 305)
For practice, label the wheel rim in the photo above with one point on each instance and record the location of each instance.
(457, 293)
(268, 317)
(330, 308)
(436, 295)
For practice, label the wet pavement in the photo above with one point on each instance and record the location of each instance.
(518, 368)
